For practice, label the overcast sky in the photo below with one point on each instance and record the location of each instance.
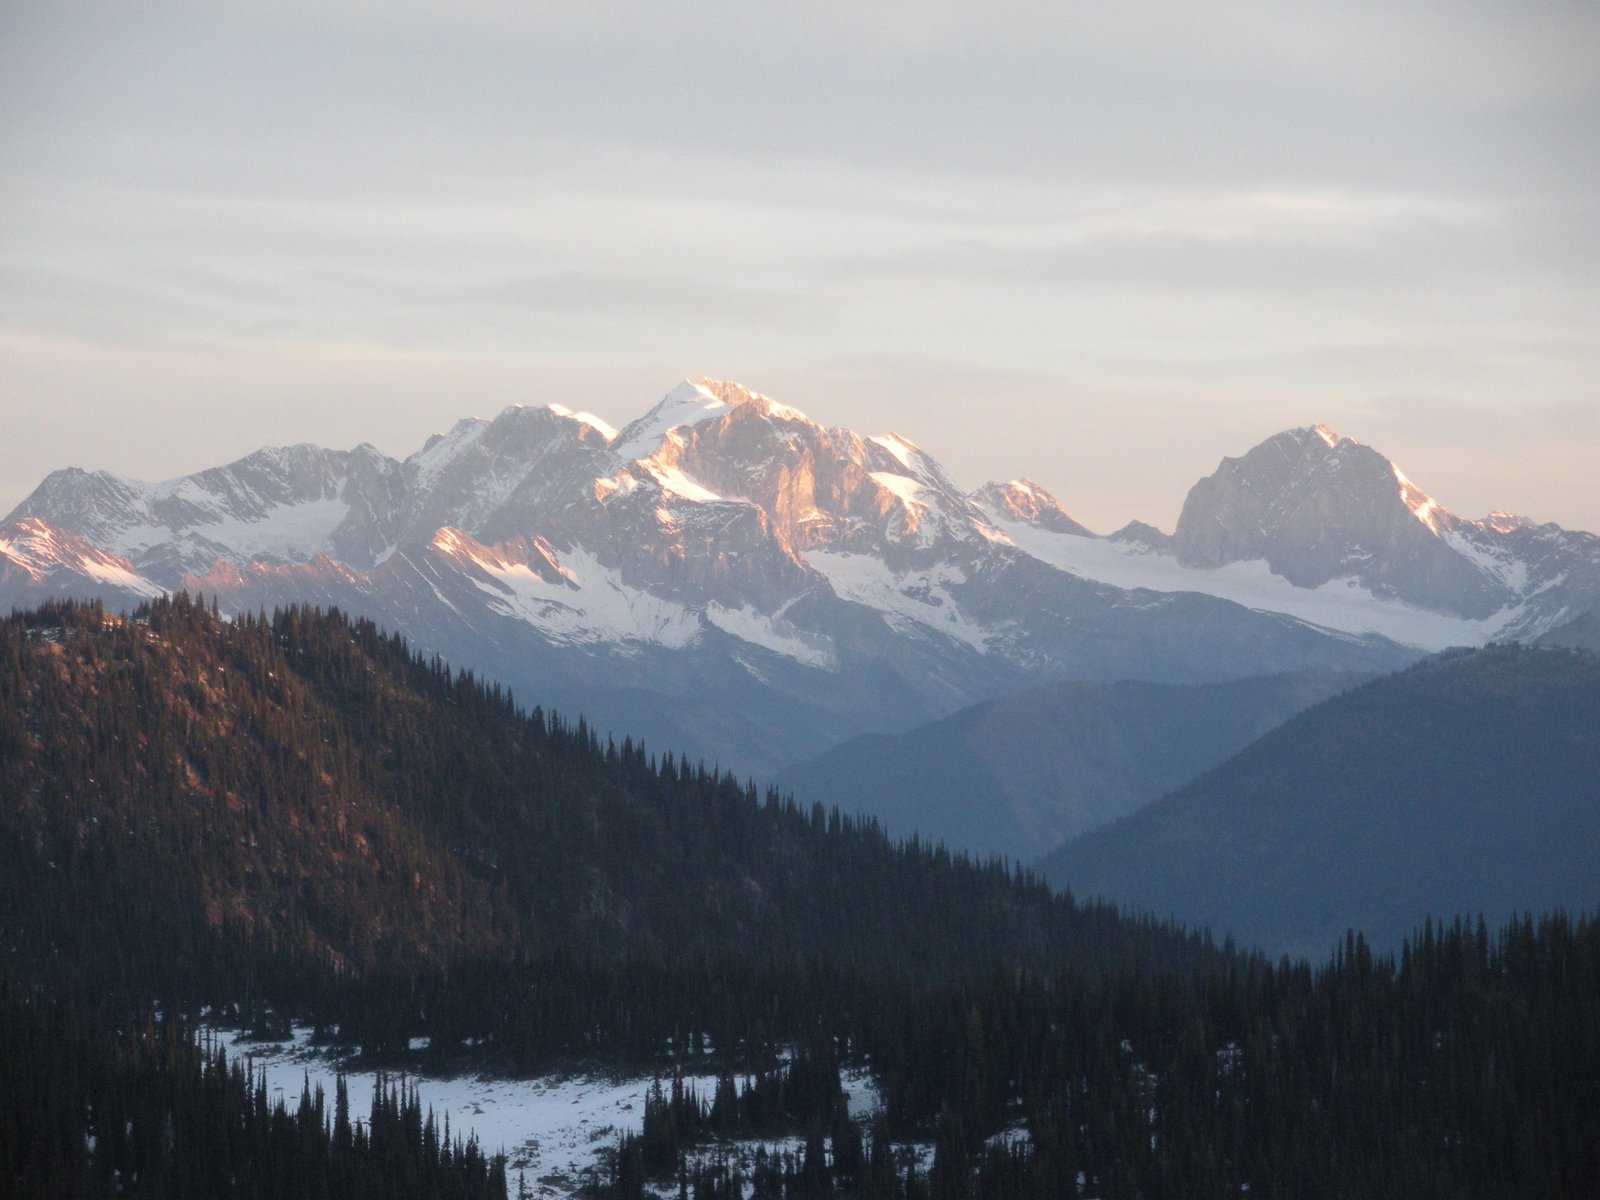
(1099, 248)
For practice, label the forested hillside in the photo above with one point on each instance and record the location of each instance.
(1468, 1067)
(150, 1113)
(293, 816)
(184, 798)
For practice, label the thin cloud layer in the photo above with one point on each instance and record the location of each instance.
(225, 225)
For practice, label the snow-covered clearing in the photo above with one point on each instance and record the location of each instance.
(554, 1130)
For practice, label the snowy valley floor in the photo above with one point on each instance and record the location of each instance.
(556, 1131)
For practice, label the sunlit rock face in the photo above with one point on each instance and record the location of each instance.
(1025, 500)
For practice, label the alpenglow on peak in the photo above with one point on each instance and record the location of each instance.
(691, 404)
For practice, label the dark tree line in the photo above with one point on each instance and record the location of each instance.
(1467, 1067)
(83, 1114)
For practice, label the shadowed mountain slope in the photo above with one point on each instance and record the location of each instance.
(1582, 633)
(1468, 783)
(1018, 776)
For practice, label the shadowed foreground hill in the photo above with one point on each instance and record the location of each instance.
(179, 794)
(1469, 783)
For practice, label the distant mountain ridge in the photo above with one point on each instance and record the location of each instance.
(1469, 783)
(1020, 775)
(1581, 633)
(726, 575)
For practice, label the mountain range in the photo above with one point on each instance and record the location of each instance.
(727, 576)
(1020, 775)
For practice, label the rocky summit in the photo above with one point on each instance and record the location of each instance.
(1316, 508)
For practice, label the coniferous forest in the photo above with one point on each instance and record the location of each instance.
(293, 816)
(154, 1114)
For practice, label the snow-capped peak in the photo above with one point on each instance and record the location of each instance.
(1328, 436)
(441, 448)
(31, 542)
(1024, 500)
(736, 395)
(686, 405)
(584, 418)
(691, 404)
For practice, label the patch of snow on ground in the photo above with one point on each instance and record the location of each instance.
(602, 609)
(913, 598)
(906, 489)
(131, 540)
(36, 550)
(554, 1130)
(112, 575)
(928, 519)
(287, 532)
(1511, 572)
(915, 463)
(283, 533)
(782, 412)
(621, 484)
(1341, 605)
(553, 1127)
(1423, 506)
(40, 553)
